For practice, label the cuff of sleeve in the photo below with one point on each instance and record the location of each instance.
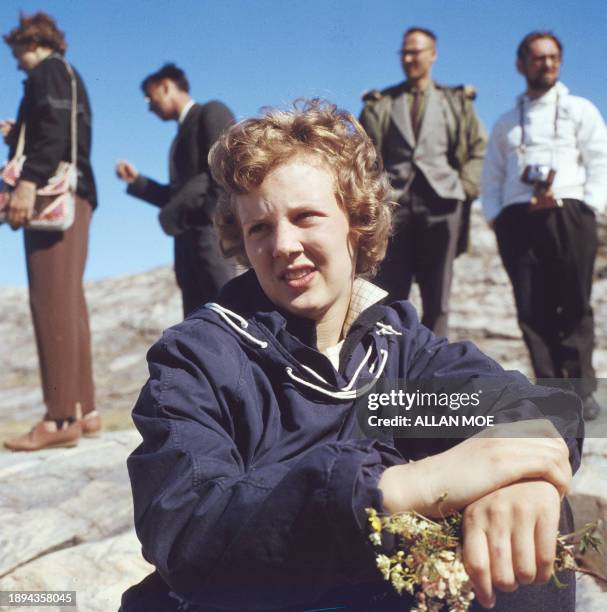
(352, 488)
(137, 186)
(27, 174)
(471, 189)
(491, 211)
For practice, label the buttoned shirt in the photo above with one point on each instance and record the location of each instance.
(558, 130)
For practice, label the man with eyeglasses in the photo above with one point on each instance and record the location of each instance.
(544, 180)
(187, 203)
(432, 145)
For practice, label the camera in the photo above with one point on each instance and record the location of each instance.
(541, 177)
(538, 175)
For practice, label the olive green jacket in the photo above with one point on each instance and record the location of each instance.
(467, 138)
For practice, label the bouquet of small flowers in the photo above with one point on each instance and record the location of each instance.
(426, 559)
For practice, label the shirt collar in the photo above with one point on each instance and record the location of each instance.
(559, 89)
(185, 110)
(411, 89)
(364, 294)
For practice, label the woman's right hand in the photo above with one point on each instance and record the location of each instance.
(510, 538)
(6, 126)
(21, 204)
(497, 457)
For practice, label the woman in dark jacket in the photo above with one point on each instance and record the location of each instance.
(55, 259)
(260, 452)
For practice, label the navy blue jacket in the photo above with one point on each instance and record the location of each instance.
(253, 475)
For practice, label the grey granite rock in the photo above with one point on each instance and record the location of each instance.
(67, 521)
(98, 571)
(66, 515)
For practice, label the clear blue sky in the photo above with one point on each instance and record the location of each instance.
(253, 53)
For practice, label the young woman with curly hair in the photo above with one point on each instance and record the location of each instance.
(251, 483)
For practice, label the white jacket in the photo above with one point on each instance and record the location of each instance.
(578, 152)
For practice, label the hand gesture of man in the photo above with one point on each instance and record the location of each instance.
(126, 172)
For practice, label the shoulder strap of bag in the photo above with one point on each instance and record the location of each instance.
(73, 119)
(20, 142)
(74, 114)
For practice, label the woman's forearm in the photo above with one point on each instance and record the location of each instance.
(453, 479)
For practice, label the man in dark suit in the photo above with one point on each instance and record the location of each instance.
(187, 203)
(432, 145)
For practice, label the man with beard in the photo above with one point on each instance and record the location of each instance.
(543, 181)
(432, 145)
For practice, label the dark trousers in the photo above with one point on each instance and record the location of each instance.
(423, 247)
(55, 267)
(200, 267)
(549, 256)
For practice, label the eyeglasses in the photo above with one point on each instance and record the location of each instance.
(551, 57)
(413, 52)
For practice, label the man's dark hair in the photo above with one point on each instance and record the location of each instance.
(428, 33)
(39, 29)
(523, 49)
(168, 71)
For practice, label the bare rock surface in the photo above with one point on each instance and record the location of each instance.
(588, 499)
(67, 521)
(99, 572)
(66, 515)
(127, 315)
(67, 493)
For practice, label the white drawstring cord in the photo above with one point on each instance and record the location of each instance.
(372, 367)
(386, 330)
(225, 314)
(358, 369)
(315, 374)
(342, 394)
(346, 393)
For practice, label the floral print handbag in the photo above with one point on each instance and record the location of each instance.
(55, 204)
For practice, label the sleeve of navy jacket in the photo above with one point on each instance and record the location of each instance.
(223, 524)
(229, 521)
(506, 395)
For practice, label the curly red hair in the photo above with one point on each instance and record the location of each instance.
(248, 151)
(39, 29)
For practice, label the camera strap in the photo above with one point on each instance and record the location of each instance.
(521, 114)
